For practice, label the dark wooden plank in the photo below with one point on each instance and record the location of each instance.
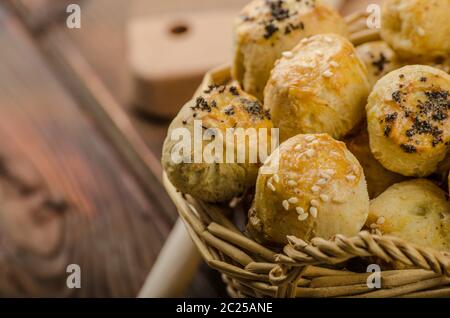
(94, 70)
(102, 42)
(100, 104)
(66, 197)
(39, 13)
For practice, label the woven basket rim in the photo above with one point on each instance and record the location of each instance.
(245, 262)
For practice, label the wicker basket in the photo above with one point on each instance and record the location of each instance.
(315, 269)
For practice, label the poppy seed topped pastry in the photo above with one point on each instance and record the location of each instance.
(218, 109)
(408, 120)
(319, 190)
(417, 27)
(416, 211)
(267, 28)
(379, 58)
(320, 87)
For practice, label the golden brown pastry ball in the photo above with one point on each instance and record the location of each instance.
(322, 87)
(417, 27)
(219, 108)
(266, 28)
(377, 177)
(416, 211)
(379, 58)
(319, 190)
(408, 120)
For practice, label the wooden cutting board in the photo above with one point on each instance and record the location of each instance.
(169, 54)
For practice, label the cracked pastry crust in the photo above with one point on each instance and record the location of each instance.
(416, 211)
(218, 108)
(321, 87)
(318, 190)
(266, 28)
(417, 27)
(408, 120)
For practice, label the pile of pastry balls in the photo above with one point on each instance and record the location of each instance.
(364, 131)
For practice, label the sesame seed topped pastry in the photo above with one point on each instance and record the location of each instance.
(322, 87)
(219, 108)
(379, 58)
(417, 27)
(319, 190)
(408, 120)
(267, 28)
(416, 211)
(378, 178)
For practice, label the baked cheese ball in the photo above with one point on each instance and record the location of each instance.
(379, 59)
(417, 27)
(317, 190)
(320, 87)
(408, 120)
(267, 28)
(219, 109)
(416, 211)
(378, 178)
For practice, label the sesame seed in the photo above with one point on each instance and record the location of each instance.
(338, 200)
(276, 178)
(324, 175)
(307, 65)
(288, 54)
(381, 220)
(300, 210)
(319, 53)
(330, 172)
(322, 181)
(298, 147)
(293, 200)
(292, 183)
(328, 39)
(350, 177)
(334, 64)
(310, 152)
(270, 186)
(334, 153)
(315, 189)
(313, 211)
(324, 197)
(303, 217)
(310, 138)
(285, 205)
(327, 73)
(314, 203)
(420, 31)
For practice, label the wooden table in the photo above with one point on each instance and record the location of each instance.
(78, 184)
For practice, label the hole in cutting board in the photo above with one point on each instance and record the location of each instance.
(179, 29)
